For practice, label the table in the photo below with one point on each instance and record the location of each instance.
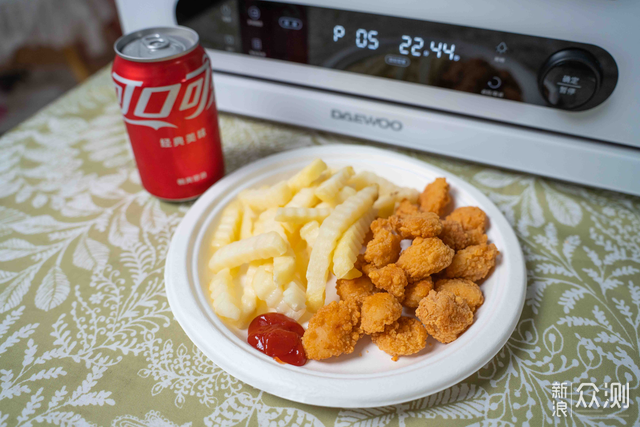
(87, 336)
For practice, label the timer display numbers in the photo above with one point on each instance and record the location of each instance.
(413, 46)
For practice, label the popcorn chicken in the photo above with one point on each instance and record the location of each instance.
(355, 289)
(470, 217)
(420, 224)
(473, 262)
(384, 248)
(425, 257)
(453, 235)
(378, 311)
(391, 278)
(464, 289)
(414, 292)
(333, 330)
(476, 237)
(444, 315)
(407, 208)
(435, 197)
(402, 338)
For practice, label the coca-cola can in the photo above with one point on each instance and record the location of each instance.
(165, 89)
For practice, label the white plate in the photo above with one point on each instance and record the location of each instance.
(372, 379)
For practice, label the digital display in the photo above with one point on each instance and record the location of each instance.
(484, 62)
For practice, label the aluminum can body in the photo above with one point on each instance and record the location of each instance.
(169, 110)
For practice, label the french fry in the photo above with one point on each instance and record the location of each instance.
(248, 218)
(411, 194)
(284, 268)
(262, 246)
(224, 301)
(278, 195)
(306, 176)
(294, 296)
(305, 198)
(330, 231)
(248, 302)
(349, 245)
(365, 178)
(385, 205)
(263, 281)
(327, 205)
(309, 232)
(302, 215)
(329, 189)
(227, 229)
(345, 193)
(354, 273)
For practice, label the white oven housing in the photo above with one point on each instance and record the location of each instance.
(599, 147)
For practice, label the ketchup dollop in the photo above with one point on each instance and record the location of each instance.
(278, 336)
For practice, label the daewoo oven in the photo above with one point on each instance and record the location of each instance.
(550, 88)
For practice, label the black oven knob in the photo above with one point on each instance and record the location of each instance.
(570, 78)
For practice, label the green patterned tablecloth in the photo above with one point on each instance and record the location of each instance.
(87, 336)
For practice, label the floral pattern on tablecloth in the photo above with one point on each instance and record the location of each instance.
(87, 336)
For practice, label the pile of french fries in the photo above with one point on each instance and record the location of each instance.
(274, 247)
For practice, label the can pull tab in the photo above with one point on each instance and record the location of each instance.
(155, 42)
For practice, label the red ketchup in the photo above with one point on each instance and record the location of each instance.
(278, 336)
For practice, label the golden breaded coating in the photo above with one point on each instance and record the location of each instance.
(333, 330)
(420, 224)
(407, 208)
(390, 278)
(463, 288)
(367, 268)
(380, 224)
(354, 289)
(384, 248)
(476, 237)
(378, 311)
(404, 337)
(470, 217)
(453, 235)
(414, 292)
(360, 262)
(444, 315)
(473, 262)
(435, 197)
(425, 257)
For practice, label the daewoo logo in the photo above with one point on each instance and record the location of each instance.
(363, 119)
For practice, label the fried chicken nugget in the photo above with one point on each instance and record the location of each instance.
(378, 311)
(390, 278)
(425, 257)
(419, 224)
(473, 262)
(470, 217)
(407, 208)
(444, 315)
(414, 292)
(384, 248)
(354, 289)
(453, 235)
(464, 289)
(476, 237)
(435, 197)
(402, 338)
(333, 330)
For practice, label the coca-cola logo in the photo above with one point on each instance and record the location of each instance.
(154, 103)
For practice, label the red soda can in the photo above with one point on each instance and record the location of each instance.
(165, 89)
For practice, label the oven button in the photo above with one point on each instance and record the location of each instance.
(570, 78)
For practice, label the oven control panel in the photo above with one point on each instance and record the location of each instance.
(553, 73)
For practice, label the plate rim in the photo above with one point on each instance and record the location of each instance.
(189, 312)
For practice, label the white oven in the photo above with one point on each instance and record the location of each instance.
(551, 88)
